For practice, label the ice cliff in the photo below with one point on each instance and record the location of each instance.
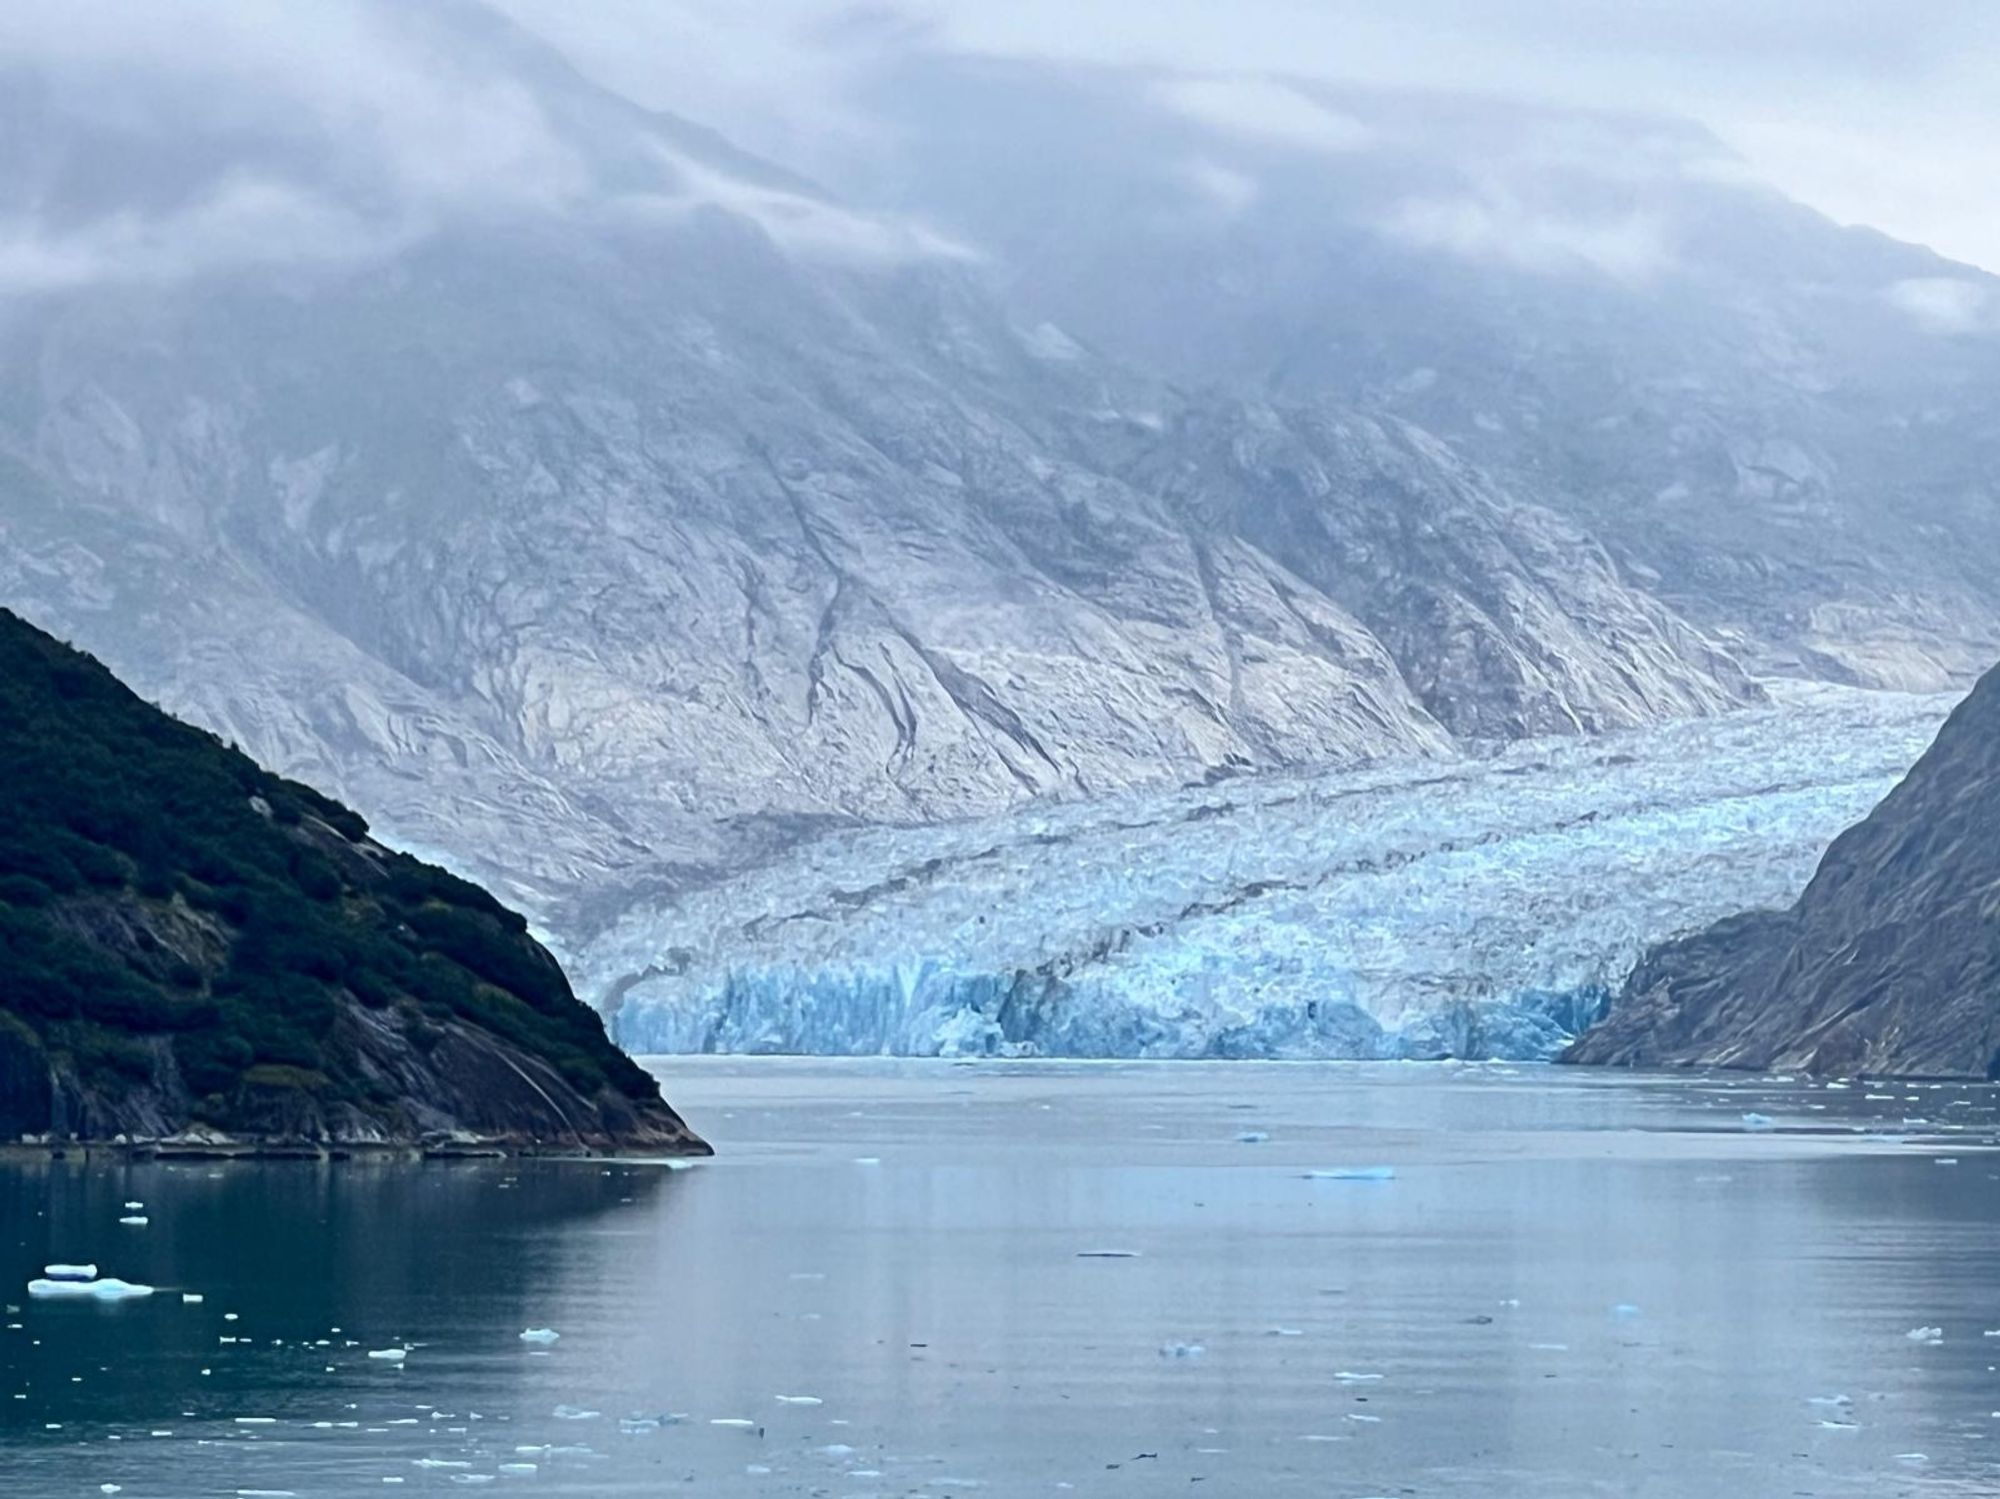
(1484, 907)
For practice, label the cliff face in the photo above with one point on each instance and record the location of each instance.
(602, 547)
(197, 953)
(1889, 963)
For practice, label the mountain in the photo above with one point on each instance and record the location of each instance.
(199, 955)
(1776, 426)
(1888, 964)
(626, 509)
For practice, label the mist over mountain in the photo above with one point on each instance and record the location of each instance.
(600, 506)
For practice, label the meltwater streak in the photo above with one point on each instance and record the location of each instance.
(1483, 908)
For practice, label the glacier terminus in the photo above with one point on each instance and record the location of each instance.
(1481, 907)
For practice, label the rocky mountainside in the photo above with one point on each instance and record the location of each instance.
(1778, 427)
(1888, 964)
(603, 509)
(663, 507)
(198, 955)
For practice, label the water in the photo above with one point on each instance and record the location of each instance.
(1575, 1284)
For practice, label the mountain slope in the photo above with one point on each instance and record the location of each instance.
(195, 951)
(1889, 963)
(1780, 427)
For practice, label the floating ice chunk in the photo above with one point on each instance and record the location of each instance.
(1182, 1350)
(868, 1160)
(135, 1222)
(1252, 1137)
(1840, 1426)
(1828, 1400)
(438, 1462)
(1286, 1332)
(389, 1355)
(519, 1470)
(472, 1478)
(540, 1335)
(1353, 1174)
(1758, 1121)
(574, 1413)
(70, 1272)
(1929, 1335)
(800, 1400)
(108, 1289)
(135, 1207)
(1348, 1376)
(191, 1298)
(1624, 1311)
(734, 1423)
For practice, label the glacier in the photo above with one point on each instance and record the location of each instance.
(1479, 908)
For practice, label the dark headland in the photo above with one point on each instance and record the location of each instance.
(197, 955)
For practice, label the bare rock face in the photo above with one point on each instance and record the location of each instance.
(602, 549)
(1889, 963)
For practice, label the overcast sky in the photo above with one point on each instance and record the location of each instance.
(1874, 112)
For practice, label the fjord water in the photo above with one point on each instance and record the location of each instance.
(1012, 1278)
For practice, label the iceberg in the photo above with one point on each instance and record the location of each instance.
(108, 1289)
(1482, 908)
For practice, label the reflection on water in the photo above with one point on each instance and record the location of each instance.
(1003, 1279)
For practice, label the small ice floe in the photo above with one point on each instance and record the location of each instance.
(800, 1400)
(1252, 1137)
(433, 1463)
(1357, 1416)
(109, 1289)
(1353, 1174)
(574, 1413)
(734, 1423)
(70, 1272)
(389, 1355)
(1759, 1121)
(472, 1478)
(1624, 1311)
(1348, 1376)
(540, 1335)
(1107, 1254)
(1182, 1350)
(1912, 1458)
(1944, 1160)
(135, 1207)
(1830, 1401)
(868, 1160)
(1286, 1332)
(139, 1221)
(1831, 1425)
(1931, 1336)
(191, 1298)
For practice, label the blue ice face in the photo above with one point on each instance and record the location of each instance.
(1483, 907)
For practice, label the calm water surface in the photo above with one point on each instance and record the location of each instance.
(898, 1279)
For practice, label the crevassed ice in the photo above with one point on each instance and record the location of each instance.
(1476, 908)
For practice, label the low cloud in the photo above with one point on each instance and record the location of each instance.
(1946, 304)
(1265, 110)
(1497, 227)
(160, 143)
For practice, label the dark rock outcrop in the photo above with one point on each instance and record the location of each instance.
(196, 954)
(1888, 964)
